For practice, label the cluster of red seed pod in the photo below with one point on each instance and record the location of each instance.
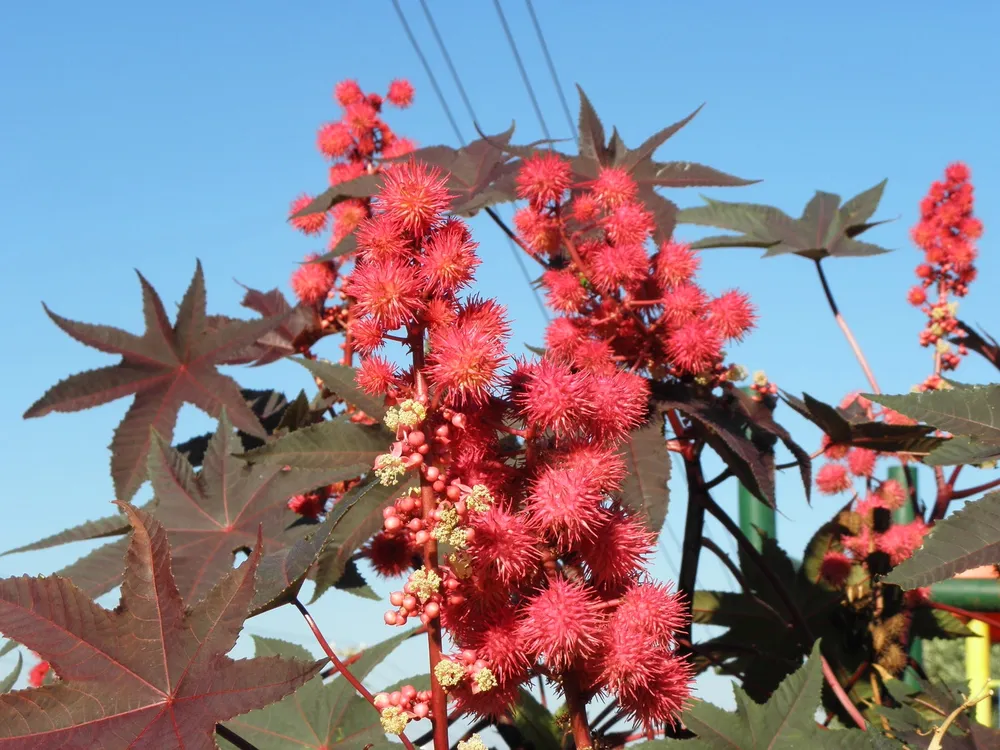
(947, 234)
(645, 311)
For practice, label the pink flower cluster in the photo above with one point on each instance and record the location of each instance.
(871, 529)
(947, 234)
(518, 470)
(356, 144)
(617, 302)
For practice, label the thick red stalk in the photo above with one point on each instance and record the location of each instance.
(439, 699)
(342, 668)
(577, 708)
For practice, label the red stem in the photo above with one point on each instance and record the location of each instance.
(842, 696)
(439, 699)
(342, 668)
(577, 708)
(969, 492)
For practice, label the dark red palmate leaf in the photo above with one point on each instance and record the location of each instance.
(169, 365)
(151, 674)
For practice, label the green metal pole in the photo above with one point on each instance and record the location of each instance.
(972, 594)
(906, 514)
(755, 515)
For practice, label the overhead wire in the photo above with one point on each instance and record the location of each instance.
(551, 66)
(454, 125)
(520, 66)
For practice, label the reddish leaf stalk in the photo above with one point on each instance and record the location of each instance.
(342, 668)
(859, 355)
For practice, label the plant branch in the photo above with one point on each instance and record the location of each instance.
(941, 731)
(342, 668)
(794, 612)
(859, 355)
(234, 739)
(694, 529)
(722, 477)
(612, 706)
(577, 707)
(428, 501)
(969, 492)
(512, 235)
(714, 548)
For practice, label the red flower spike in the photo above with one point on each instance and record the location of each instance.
(400, 93)
(466, 356)
(334, 140)
(613, 187)
(618, 550)
(348, 93)
(367, 336)
(449, 258)
(414, 196)
(695, 347)
(564, 291)
(835, 568)
(732, 315)
(833, 479)
(861, 461)
(503, 547)
(544, 178)
(561, 624)
(390, 555)
(312, 282)
(651, 611)
(676, 264)
(629, 224)
(620, 402)
(566, 502)
(554, 397)
(376, 375)
(309, 224)
(658, 693)
(390, 291)
(614, 266)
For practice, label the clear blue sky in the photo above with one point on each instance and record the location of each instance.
(148, 135)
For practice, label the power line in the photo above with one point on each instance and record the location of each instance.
(552, 67)
(520, 67)
(430, 73)
(465, 98)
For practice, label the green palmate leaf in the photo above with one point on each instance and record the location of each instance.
(346, 246)
(982, 343)
(167, 366)
(786, 722)
(361, 509)
(114, 525)
(591, 131)
(970, 412)
(269, 406)
(340, 380)
(847, 427)
(966, 539)
(825, 228)
(213, 515)
(724, 426)
(962, 451)
(535, 723)
(930, 623)
(151, 673)
(597, 151)
(6, 683)
(645, 490)
(331, 444)
(317, 715)
(354, 583)
(278, 342)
